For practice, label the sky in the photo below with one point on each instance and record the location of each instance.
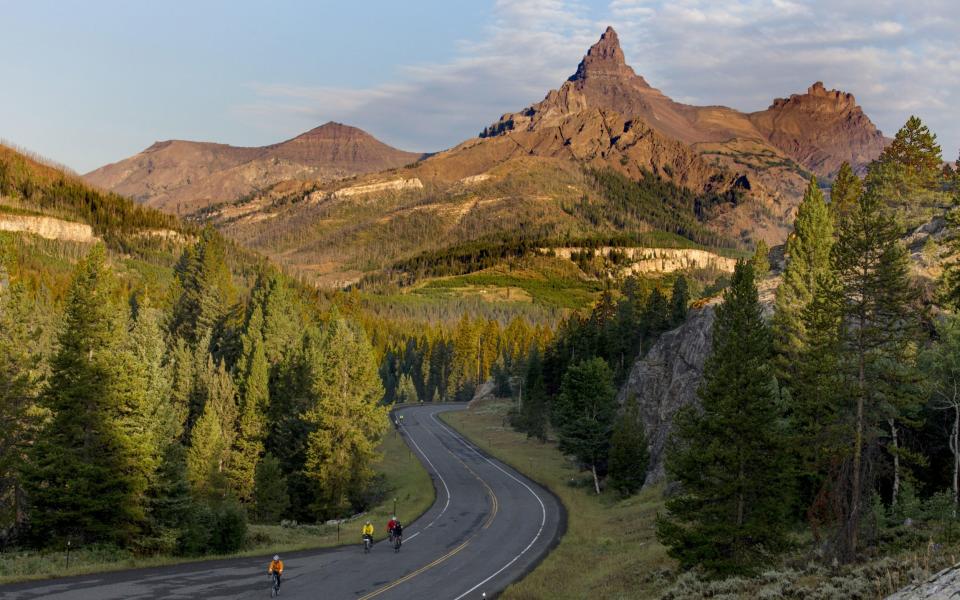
(85, 83)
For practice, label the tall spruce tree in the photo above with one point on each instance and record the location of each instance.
(252, 421)
(915, 154)
(808, 258)
(846, 188)
(271, 498)
(679, 301)
(205, 289)
(629, 454)
(584, 414)
(213, 436)
(85, 476)
(878, 323)
(345, 417)
(534, 408)
(20, 373)
(729, 454)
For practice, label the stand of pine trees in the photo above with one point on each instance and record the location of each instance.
(163, 424)
(841, 416)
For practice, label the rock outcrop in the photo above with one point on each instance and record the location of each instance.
(182, 177)
(819, 129)
(48, 227)
(942, 586)
(667, 379)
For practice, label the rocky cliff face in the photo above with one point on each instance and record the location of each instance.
(182, 177)
(667, 379)
(821, 129)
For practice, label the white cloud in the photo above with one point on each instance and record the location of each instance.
(741, 53)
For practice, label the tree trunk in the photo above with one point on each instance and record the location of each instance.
(896, 462)
(596, 480)
(853, 522)
(955, 448)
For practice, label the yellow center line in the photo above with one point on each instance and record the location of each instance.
(493, 513)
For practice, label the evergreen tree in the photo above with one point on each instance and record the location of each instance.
(679, 301)
(656, 314)
(213, 436)
(629, 454)
(878, 323)
(19, 386)
(252, 423)
(808, 258)
(345, 415)
(466, 368)
(406, 391)
(729, 456)
(761, 260)
(85, 477)
(271, 496)
(915, 154)
(205, 287)
(584, 414)
(168, 501)
(534, 406)
(846, 188)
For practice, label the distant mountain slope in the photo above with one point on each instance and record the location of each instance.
(818, 130)
(181, 176)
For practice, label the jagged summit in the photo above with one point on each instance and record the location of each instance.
(603, 59)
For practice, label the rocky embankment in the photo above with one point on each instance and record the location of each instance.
(942, 586)
(48, 227)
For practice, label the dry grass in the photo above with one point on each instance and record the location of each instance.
(610, 549)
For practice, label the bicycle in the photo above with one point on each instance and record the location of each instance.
(367, 544)
(397, 541)
(275, 584)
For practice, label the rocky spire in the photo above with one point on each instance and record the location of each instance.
(605, 58)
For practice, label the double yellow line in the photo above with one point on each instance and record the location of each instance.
(493, 513)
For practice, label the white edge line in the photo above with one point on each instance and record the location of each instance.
(442, 480)
(543, 508)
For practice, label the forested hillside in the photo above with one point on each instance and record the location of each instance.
(827, 431)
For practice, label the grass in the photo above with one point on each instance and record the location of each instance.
(407, 480)
(609, 550)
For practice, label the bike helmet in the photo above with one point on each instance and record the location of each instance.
(276, 557)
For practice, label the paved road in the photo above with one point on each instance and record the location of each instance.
(487, 527)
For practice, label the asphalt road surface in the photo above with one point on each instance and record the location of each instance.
(488, 526)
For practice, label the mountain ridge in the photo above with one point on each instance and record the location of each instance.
(182, 176)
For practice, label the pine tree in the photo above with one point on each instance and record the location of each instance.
(406, 391)
(761, 260)
(534, 407)
(85, 478)
(205, 286)
(629, 454)
(878, 323)
(466, 369)
(213, 436)
(808, 258)
(345, 415)
(728, 456)
(19, 386)
(915, 154)
(846, 188)
(168, 501)
(584, 414)
(271, 498)
(252, 423)
(679, 301)
(656, 314)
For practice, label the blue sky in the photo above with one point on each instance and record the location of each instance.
(86, 83)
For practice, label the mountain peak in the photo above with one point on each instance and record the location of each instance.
(605, 58)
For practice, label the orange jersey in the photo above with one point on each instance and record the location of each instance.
(276, 566)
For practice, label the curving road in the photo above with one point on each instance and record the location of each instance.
(488, 526)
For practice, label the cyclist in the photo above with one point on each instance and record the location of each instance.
(276, 568)
(396, 534)
(390, 525)
(368, 532)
